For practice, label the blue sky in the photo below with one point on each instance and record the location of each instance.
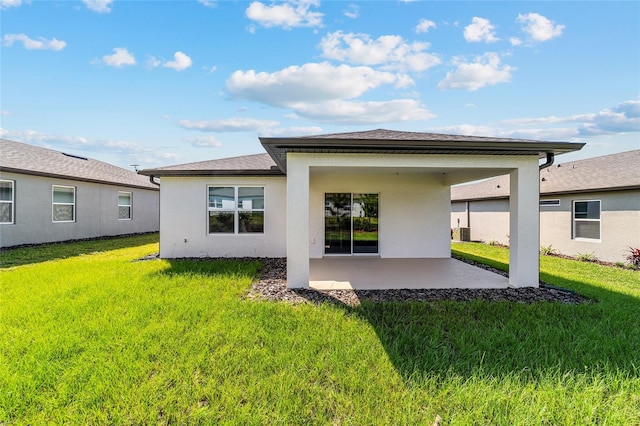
(165, 82)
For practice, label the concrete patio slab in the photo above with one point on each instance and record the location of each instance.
(373, 273)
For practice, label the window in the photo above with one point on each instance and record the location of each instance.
(586, 220)
(236, 210)
(64, 203)
(549, 203)
(6, 201)
(124, 205)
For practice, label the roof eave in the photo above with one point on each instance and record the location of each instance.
(278, 147)
(74, 178)
(160, 173)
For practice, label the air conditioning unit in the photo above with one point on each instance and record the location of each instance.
(462, 234)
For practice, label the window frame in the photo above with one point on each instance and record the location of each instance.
(237, 210)
(574, 219)
(54, 203)
(12, 201)
(130, 205)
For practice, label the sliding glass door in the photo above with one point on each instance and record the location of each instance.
(351, 223)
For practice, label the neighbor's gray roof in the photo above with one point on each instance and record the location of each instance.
(396, 142)
(607, 173)
(23, 158)
(256, 165)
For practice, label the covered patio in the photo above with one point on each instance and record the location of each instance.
(398, 184)
(374, 273)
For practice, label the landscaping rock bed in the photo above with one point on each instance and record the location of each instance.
(272, 286)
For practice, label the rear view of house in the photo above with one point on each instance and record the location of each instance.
(351, 208)
(589, 206)
(48, 196)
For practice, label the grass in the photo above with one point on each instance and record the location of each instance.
(46, 252)
(100, 338)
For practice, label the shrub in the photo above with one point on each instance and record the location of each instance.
(493, 243)
(547, 250)
(587, 257)
(634, 257)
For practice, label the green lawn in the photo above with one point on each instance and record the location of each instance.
(99, 338)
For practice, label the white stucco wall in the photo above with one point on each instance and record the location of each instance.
(413, 215)
(184, 219)
(96, 211)
(431, 177)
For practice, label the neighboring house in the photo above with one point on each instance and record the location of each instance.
(48, 196)
(377, 195)
(586, 206)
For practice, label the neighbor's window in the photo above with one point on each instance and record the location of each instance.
(586, 219)
(124, 205)
(64, 203)
(236, 209)
(548, 203)
(6, 201)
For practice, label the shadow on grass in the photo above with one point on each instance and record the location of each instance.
(26, 255)
(227, 268)
(495, 339)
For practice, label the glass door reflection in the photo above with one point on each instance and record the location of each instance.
(337, 223)
(365, 223)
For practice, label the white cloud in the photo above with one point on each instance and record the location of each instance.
(100, 6)
(424, 25)
(538, 27)
(228, 125)
(390, 51)
(291, 131)
(43, 139)
(180, 62)
(207, 141)
(124, 153)
(359, 112)
(480, 29)
(152, 62)
(120, 57)
(289, 14)
(313, 82)
(207, 3)
(624, 118)
(323, 92)
(5, 4)
(4, 112)
(30, 44)
(515, 41)
(352, 11)
(486, 70)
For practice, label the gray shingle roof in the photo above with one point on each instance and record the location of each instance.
(372, 141)
(256, 164)
(606, 173)
(395, 135)
(383, 141)
(33, 160)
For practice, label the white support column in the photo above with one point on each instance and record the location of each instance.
(297, 223)
(524, 234)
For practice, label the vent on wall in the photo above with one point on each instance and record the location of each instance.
(549, 202)
(75, 156)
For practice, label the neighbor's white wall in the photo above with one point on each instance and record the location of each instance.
(184, 216)
(413, 211)
(96, 211)
(619, 225)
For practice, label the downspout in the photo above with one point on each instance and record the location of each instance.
(151, 177)
(549, 162)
